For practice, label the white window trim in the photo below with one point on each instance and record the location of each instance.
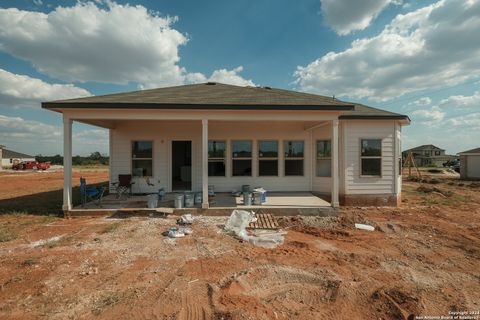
(218, 159)
(285, 158)
(371, 157)
(259, 158)
(322, 158)
(133, 159)
(242, 158)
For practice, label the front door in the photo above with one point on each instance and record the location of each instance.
(181, 165)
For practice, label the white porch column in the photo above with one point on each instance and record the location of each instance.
(205, 163)
(335, 177)
(67, 163)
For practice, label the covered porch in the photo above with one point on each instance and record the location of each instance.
(285, 191)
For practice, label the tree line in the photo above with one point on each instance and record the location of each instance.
(95, 158)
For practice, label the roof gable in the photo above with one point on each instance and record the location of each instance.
(476, 150)
(10, 154)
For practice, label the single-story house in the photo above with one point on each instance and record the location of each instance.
(192, 136)
(10, 157)
(470, 164)
(428, 155)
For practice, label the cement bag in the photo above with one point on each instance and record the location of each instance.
(238, 221)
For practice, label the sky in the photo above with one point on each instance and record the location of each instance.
(419, 58)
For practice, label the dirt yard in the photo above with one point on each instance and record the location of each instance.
(423, 259)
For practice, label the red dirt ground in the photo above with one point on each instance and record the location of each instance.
(423, 259)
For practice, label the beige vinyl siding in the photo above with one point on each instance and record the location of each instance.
(255, 131)
(354, 182)
(473, 166)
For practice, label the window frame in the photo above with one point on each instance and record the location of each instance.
(286, 158)
(134, 159)
(260, 158)
(241, 158)
(219, 159)
(322, 158)
(371, 157)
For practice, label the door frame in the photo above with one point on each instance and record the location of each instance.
(170, 165)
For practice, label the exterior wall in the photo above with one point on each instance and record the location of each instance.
(162, 133)
(1, 158)
(470, 167)
(385, 187)
(354, 189)
(262, 131)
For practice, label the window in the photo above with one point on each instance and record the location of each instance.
(293, 158)
(371, 157)
(216, 158)
(241, 158)
(142, 155)
(437, 153)
(267, 158)
(324, 158)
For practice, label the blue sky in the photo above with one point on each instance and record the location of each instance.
(419, 58)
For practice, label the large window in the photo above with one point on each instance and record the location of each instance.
(216, 158)
(241, 158)
(371, 157)
(324, 158)
(142, 158)
(267, 158)
(294, 153)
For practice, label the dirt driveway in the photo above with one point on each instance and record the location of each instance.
(422, 259)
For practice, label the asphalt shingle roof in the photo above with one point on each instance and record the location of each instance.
(213, 95)
(476, 150)
(10, 154)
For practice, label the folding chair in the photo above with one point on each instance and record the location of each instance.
(123, 186)
(92, 193)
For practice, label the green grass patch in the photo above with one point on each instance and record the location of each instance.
(29, 262)
(7, 235)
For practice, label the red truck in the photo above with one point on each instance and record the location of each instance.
(31, 165)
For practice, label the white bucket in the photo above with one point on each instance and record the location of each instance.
(152, 200)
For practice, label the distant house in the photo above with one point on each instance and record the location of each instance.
(10, 157)
(470, 164)
(428, 155)
(1, 152)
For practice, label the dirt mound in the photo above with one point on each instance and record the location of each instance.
(285, 289)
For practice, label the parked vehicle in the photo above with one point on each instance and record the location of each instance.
(31, 165)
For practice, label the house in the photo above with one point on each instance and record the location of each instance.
(192, 136)
(1, 157)
(428, 155)
(10, 157)
(470, 164)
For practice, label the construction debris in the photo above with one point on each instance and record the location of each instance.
(264, 221)
(364, 227)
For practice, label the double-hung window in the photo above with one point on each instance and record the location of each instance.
(324, 158)
(267, 158)
(371, 157)
(242, 158)
(216, 158)
(294, 156)
(142, 158)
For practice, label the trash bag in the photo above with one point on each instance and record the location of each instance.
(238, 222)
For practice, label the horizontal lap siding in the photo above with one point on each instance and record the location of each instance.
(161, 133)
(255, 131)
(354, 132)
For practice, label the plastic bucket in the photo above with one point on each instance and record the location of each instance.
(247, 198)
(178, 202)
(198, 198)
(189, 200)
(257, 198)
(152, 200)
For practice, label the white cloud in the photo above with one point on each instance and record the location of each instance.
(424, 101)
(466, 122)
(431, 117)
(223, 76)
(23, 91)
(461, 101)
(428, 48)
(35, 137)
(114, 44)
(346, 16)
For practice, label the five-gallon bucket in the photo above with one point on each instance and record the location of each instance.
(189, 200)
(198, 198)
(247, 198)
(178, 202)
(152, 200)
(257, 198)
